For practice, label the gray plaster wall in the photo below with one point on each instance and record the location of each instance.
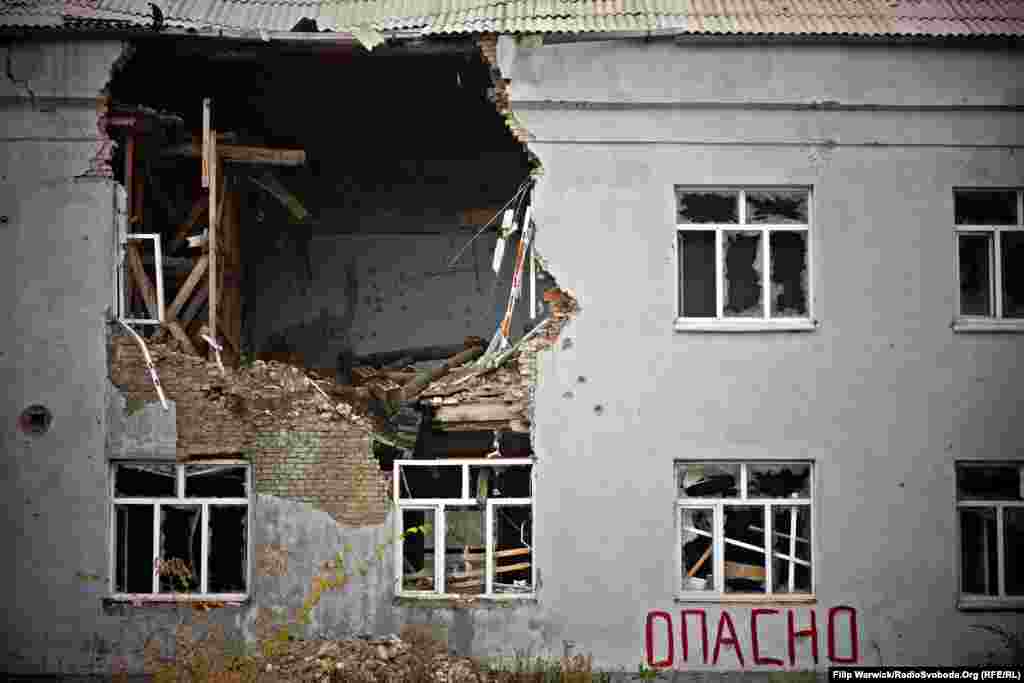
(389, 284)
(883, 396)
(372, 292)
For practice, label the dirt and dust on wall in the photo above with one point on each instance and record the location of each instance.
(320, 307)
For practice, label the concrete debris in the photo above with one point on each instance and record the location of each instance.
(496, 392)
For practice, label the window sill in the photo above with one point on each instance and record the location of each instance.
(449, 600)
(147, 600)
(988, 324)
(747, 598)
(745, 325)
(987, 604)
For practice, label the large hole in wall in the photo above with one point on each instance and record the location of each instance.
(351, 252)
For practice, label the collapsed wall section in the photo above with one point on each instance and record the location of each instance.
(302, 446)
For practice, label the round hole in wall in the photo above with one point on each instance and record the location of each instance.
(35, 420)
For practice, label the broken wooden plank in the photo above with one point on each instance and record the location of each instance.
(141, 279)
(231, 275)
(488, 412)
(269, 183)
(240, 154)
(514, 552)
(497, 570)
(416, 354)
(424, 378)
(178, 332)
(186, 289)
(737, 570)
(198, 301)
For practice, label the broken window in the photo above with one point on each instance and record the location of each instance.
(990, 498)
(745, 528)
(743, 258)
(990, 250)
(466, 531)
(140, 280)
(180, 530)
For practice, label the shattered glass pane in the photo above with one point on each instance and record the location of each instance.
(741, 275)
(464, 562)
(707, 207)
(433, 481)
(133, 552)
(1013, 550)
(698, 555)
(745, 570)
(789, 273)
(513, 554)
(791, 529)
(978, 551)
(1012, 246)
(418, 550)
(227, 548)
(783, 480)
(985, 207)
(145, 480)
(777, 207)
(989, 482)
(180, 548)
(508, 481)
(709, 480)
(215, 481)
(697, 273)
(975, 274)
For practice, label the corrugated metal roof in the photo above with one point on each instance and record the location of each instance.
(740, 17)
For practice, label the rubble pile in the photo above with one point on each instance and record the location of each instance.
(390, 660)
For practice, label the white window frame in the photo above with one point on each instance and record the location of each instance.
(718, 506)
(969, 601)
(440, 505)
(995, 322)
(721, 323)
(179, 499)
(123, 278)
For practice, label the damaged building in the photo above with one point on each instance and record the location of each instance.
(686, 336)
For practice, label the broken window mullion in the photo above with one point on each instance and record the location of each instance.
(766, 280)
(204, 549)
(792, 548)
(440, 551)
(769, 546)
(719, 275)
(1000, 552)
(996, 272)
(719, 548)
(489, 558)
(157, 547)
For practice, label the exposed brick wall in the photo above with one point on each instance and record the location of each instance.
(301, 448)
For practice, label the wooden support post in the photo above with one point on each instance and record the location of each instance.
(214, 216)
(186, 289)
(178, 332)
(141, 279)
(193, 309)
